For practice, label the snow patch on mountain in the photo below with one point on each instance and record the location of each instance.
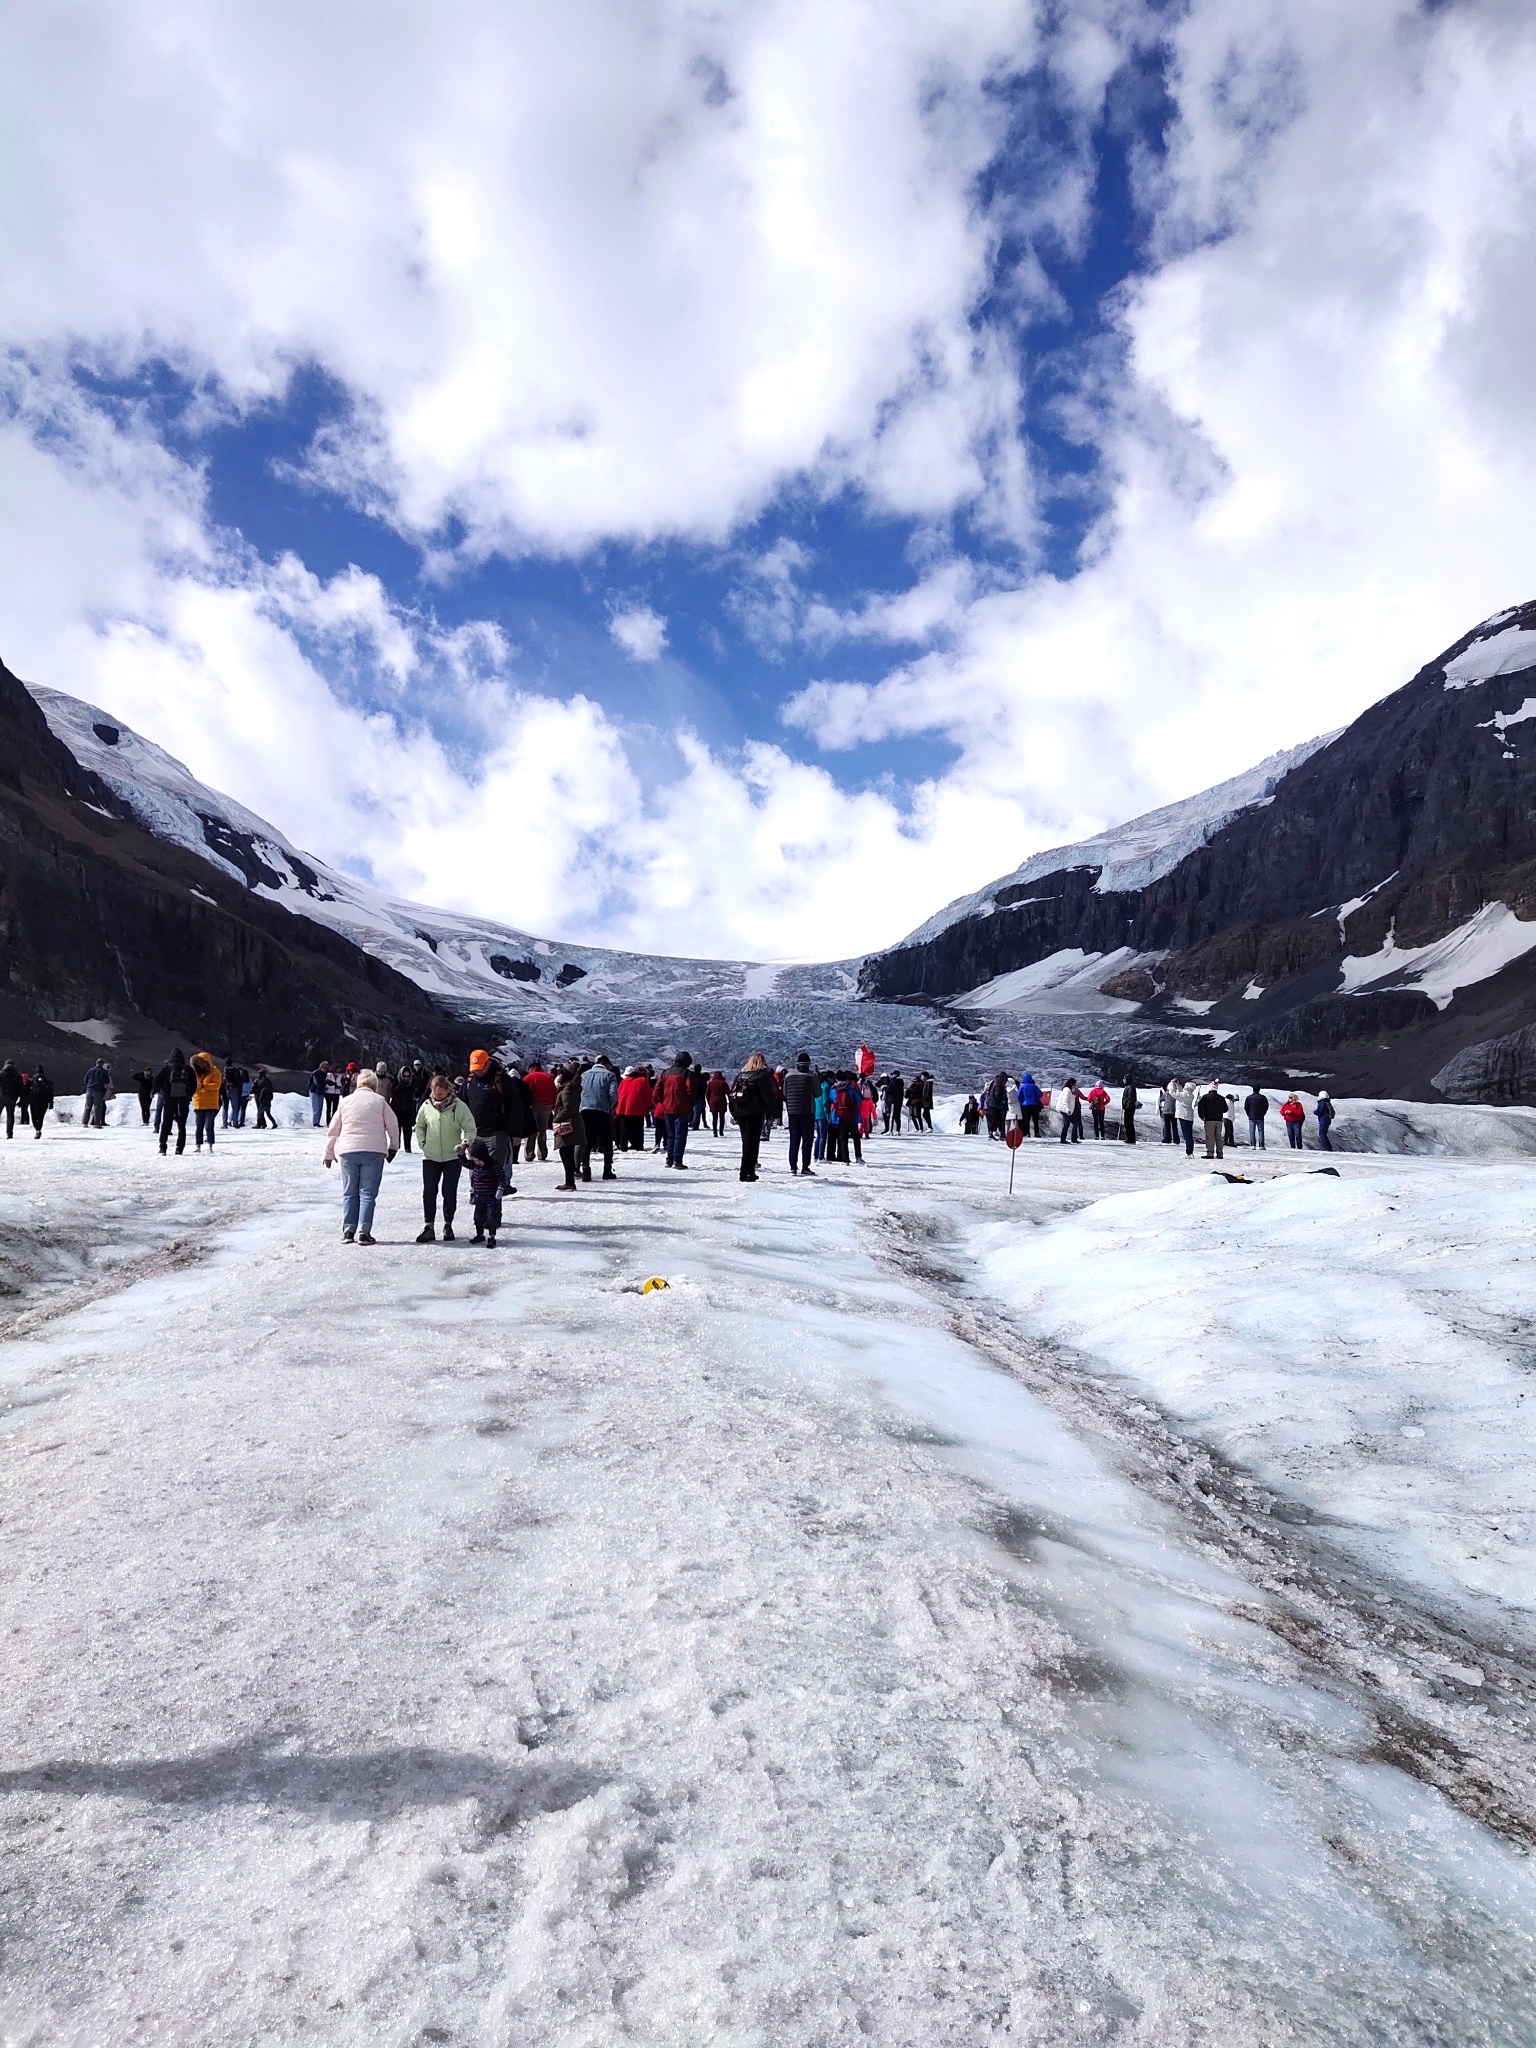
(1065, 984)
(1137, 853)
(1506, 652)
(1471, 953)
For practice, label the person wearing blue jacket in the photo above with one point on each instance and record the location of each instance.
(1324, 1114)
(1028, 1092)
(599, 1101)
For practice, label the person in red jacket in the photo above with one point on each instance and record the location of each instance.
(675, 1100)
(1294, 1112)
(1097, 1100)
(541, 1094)
(636, 1101)
(717, 1094)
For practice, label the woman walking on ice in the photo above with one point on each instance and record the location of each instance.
(365, 1135)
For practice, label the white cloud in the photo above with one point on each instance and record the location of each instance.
(641, 632)
(582, 286)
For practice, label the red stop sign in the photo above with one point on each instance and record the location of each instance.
(1013, 1137)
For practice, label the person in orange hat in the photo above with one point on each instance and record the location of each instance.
(478, 1061)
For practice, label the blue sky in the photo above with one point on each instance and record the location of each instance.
(735, 479)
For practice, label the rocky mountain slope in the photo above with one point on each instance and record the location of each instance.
(101, 919)
(1364, 908)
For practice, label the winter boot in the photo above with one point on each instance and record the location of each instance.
(427, 1236)
(447, 1233)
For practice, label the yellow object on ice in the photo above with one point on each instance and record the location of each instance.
(651, 1286)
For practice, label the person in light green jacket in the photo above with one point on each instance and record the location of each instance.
(445, 1131)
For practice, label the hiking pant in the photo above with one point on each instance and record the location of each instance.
(361, 1173)
(173, 1112)
(502, 1147)
(317, 1107)
(1170, 1130)
(597, 1128)
(1129, 1133)
(1215, 1133)
(38, 1112)
(844, 1134)
(1256, 1133)
(1098, 1122)
(1029, 1118)
(543, 1117)
(677, 1138)
(802, 1131)
(751, 1139)
(10, 1119)
(893, 1118)
(1187, 1127)
(442, 1173)
(95, 1109)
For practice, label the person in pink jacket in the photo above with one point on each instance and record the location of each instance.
(364, 1135)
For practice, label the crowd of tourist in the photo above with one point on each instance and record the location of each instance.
(585, 1112)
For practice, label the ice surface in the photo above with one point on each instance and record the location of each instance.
(1504, 653)
(428, 1644)
(1473, 951)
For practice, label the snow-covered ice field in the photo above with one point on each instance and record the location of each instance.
(937, 1617)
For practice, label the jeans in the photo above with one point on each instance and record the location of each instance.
(1256, 1133)
(444, 1173)
(820, 1145)
(487, 1215)
(1293, 1132)
(598, 1127)
(1324, 1142)
(1072, 1126)
(1187, 1128)
(361, 1173)
(1215, 1134)
(207, 1124)
(802, 1130)
(677, 1139)
(317, 1107)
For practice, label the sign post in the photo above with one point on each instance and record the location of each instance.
(1013, 1138)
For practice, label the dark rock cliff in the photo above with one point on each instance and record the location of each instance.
(99, 918)
(1407, 823)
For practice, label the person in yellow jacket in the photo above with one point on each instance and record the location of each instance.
(205, 1096)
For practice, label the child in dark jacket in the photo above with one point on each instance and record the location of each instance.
(485, 1180)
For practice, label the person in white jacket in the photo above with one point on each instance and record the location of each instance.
(364, 1135)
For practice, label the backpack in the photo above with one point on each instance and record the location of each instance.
(739, 1097)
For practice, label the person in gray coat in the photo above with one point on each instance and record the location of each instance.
(599, 1101)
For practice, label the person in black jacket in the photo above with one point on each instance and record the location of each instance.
(144, 1088)
(893, 1093)
(1256, 1108)
(10, 1095)
(1213, 1107)
(1130, 1102)
(39, 1099)
(754, 1100)
(800, 1109)
(485, 1097)
(261, 1095)
(175, 1084)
